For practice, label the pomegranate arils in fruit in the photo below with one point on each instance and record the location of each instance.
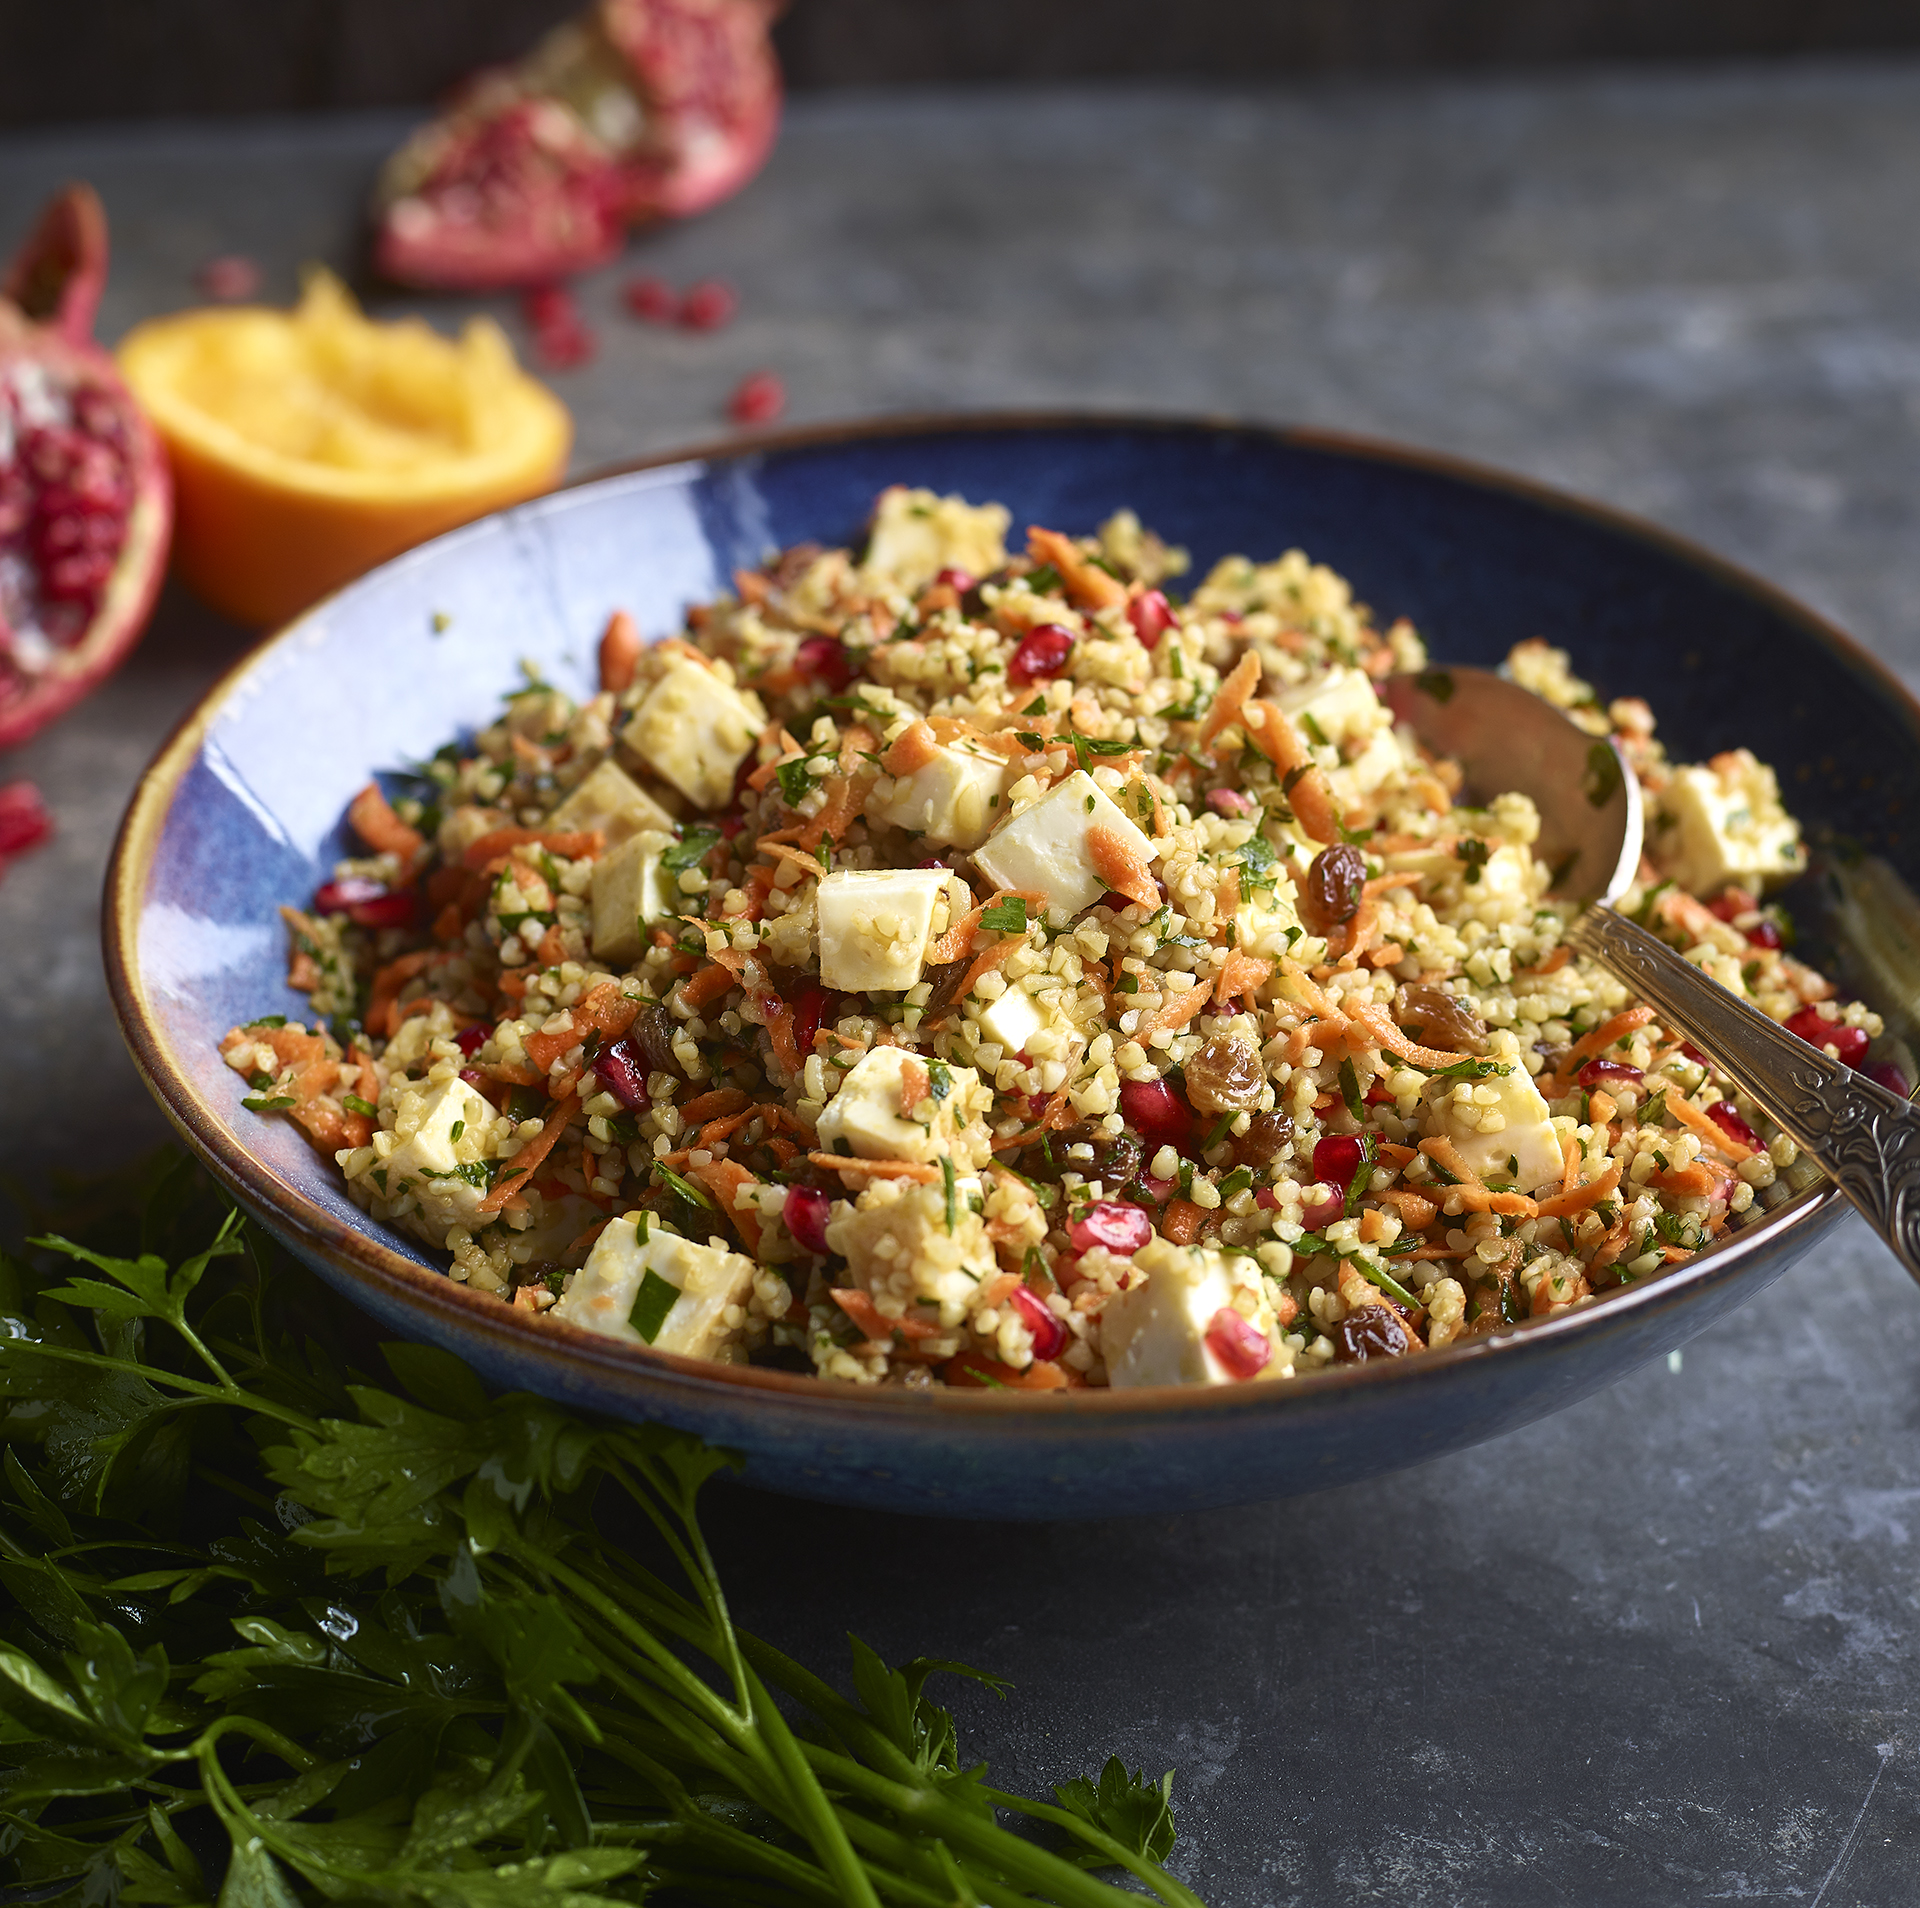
(1238, 1344)
(1604, 1073)
(1049, 1335)
(1850, 1043)
(623, 1072)
(758, 399)
(1337, 1158)
(1151, 616)
(650, 298)
(1111, 1223)
(229, 278)
(806, 1212)
(85, 501)
(708, 305)
(1043, 653)
(1726, 1117)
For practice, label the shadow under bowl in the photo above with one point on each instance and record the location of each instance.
(242, 811)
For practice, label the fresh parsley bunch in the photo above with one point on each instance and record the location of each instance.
(279, 1630)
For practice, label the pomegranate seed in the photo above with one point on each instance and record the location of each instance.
(708, 305)
(1230, 801)
(1885, 1073)
(650, 298)
(806, 1212)
(1267, 1199)
(1239, 1345)
(229, 278)
(1723, 907)
(1726, 1117)
(809, 1012)
(1337, 1158)
(1322, 1212)
(1151, 616)
(1111, 1223)
(959, 581)
(335, 897)
(1850, 1043)
(825, 659)
(1157, 1113)
(394, 909)
(1600, 1073)
(549, 307)
(1049, 1335)
(1043, 652)
(1377, 1094)
(1689, 1051)
(475, 1079)
(758, 399)
(564, 347)
(471, 1039)
(623, 1073)
(24, 821)
(1158, 1190)
(1764, 934)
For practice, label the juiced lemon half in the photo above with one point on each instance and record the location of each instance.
(309, 445)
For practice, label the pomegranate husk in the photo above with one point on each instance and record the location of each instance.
(48, 298)
(635, 111)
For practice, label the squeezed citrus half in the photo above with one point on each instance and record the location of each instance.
(309, 445)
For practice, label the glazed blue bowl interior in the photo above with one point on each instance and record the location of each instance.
(422, 650)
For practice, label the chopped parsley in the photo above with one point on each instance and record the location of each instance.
(651, 1304)
(1008, 916)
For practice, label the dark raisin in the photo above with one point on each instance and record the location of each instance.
(1267, 1136)
(1225, 1076)
(1436, 1018)
(945, 982)
(1371, 1332)
(1118, 1160)
(1335, 883)
(651, 1036)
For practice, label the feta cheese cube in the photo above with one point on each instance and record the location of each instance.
(695, 730)
(867, 1111)
(917, 534)
(618, 1292)
(897, 1244)
(1722, 823)
(443, 1134)
(1341, 704)
(630, 890)
(612, 801)
(1155, 1332)
(1044, 849)
(875, 924)
(1012, 1020)
(1523, 1128)
(955, 799)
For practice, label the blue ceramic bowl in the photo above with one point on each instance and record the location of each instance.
(242, 811)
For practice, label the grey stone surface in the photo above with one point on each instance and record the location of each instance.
(1659, 1649)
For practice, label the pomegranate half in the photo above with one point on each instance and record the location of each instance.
(86, 505)
(637, 110)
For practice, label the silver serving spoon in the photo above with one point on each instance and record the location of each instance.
(1865, 1138)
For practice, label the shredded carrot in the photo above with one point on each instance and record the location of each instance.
(387, 983)
(1445, 1154)
(1692, 1181)
(859, 1307)
(1554, 962)
(1180, 1222)
(1478, 1198)
(1121, 866)
(986, 962)
(708, 985)
(1373, 1225)
(522, 1166)
(724, 1178)
(552, 949)
(1285, 747)
(877, 1168)
(715, 1104)
(1417, 1212)
(1579, 1198)
(1240, 974)
(1087, 584)
(768, 770)
(1174, 1012)
(1601, 1107)
(570, 844)
(1375, 1020)
(1230, 701)
(1570, 1158)
(912, 749)
(1598, 1039)
(371, 817)
(915, 1086)
(619, 652)
(714, 1131)
(975, 1371)
(1702, 1127)
(958, 940)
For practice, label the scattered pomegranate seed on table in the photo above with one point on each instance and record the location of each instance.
(24, 822)
(708, 305)
(651, 299)
(229, 278)
(758, 399)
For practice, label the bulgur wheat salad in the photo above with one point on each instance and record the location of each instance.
(948, 966)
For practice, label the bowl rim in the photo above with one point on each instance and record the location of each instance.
(438, 1300)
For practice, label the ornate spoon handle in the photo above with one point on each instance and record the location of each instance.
(1864, 1137)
